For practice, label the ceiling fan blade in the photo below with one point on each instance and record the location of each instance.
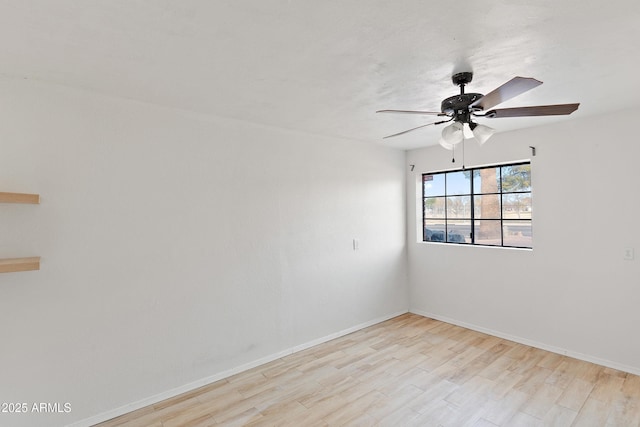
(539, 110)
(431, 113)
(510, 89)
(412, 129)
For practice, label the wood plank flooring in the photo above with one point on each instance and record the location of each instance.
(409, 371)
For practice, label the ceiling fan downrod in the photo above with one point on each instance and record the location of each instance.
(462, 79)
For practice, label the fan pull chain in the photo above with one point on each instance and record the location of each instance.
(462, 153)
(453, 154)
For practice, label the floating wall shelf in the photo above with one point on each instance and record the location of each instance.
(19, 198)
(10, 265)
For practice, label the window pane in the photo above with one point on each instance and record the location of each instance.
(458, 183)
(434, 207)
(516, 206)
(434, 231)
(459, 207)
(487, 206)
(459, 231)
(516, 178)
(488, 232)
(486, 180)
(433, 185)
(518, 233)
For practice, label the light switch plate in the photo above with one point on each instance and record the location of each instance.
(629, 254)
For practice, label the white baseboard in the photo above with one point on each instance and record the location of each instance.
(531, 343)
(87, 422)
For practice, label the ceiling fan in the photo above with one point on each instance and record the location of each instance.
(460, 109)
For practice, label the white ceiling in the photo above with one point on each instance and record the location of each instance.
(326, 66)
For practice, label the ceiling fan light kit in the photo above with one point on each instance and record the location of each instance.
(458, 132)
(482, 133)
(452, 135)
(463, 107)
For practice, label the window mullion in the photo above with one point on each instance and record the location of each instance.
(501, 210)
(446, 211)
(473, 210)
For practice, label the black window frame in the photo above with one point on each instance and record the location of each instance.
(444, 236)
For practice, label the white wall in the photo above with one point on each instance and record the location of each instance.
(177, 248)
(573, 292)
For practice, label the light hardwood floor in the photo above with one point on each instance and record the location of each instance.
(409, 371)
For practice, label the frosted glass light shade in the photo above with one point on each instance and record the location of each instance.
(482, 133)
(452, 135)
(467, 131)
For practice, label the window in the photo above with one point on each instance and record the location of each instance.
(489, 206)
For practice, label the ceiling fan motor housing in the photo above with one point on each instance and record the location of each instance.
(459, 104)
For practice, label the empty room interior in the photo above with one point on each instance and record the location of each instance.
(276, 212)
